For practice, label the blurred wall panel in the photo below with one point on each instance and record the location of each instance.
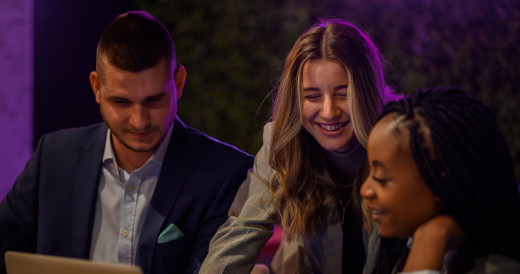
(16, 89)
(47, 50)
(66, 36)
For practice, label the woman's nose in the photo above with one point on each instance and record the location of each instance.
(366, 190)
(329, 108)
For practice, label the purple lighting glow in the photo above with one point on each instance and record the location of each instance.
(16, 89)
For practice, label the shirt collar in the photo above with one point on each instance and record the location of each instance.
(157, 157)
(409, 243)
(160, 153)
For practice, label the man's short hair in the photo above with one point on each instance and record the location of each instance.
(135, 41)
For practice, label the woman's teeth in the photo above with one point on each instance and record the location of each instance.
(333, 127)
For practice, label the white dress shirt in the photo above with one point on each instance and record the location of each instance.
(123, 200)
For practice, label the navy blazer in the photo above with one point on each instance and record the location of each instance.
(51, 207)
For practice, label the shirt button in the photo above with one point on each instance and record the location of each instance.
(131, 188)
(125, 233)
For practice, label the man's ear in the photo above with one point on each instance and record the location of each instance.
(179, 78)
(96, 85)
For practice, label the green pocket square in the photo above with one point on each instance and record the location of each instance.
(172, 232)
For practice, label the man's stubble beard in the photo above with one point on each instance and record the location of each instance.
(169, 121)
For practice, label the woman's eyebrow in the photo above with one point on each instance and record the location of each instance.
(311, 89)
(341, 87)
(376, 163)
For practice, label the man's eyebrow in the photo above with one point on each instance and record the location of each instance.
(376, 163)
(158, 95)
(115, 97)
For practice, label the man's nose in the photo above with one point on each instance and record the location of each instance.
(140, 117)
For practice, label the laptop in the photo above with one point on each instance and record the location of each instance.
(29, 263)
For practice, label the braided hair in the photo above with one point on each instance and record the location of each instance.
(390, 250)
(472, 171)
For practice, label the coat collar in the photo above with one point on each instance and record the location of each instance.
(85, 191)
(174, 173)
(325, 248)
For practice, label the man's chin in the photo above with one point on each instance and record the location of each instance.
(141, 149)
(139, 146)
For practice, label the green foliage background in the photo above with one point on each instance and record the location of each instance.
(233, 51)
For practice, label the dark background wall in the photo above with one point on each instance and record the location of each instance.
(233, 51)
(66, 35)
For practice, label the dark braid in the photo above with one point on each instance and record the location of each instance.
(473, 174)
(389, 253)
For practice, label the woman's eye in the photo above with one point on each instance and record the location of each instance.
(342, 95)
(379, 180)
(312, 97)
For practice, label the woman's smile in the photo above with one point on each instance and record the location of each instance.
(326, 113)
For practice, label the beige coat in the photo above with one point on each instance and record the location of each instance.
(237, 245)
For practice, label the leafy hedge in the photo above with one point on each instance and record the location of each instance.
(233, 51)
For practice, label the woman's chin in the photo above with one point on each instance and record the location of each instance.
(340, 147)
(393, 233)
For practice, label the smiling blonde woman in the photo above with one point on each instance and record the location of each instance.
(308, 173)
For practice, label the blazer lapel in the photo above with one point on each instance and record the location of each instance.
(325, 248)
(332, 244)
(174, 173)
(85, 193)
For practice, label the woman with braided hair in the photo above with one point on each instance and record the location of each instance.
(442, 176)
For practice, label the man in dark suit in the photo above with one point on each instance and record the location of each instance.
(141, 188)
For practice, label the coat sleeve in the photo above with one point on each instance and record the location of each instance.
(19, 210)
(237, 245)
(291, 257)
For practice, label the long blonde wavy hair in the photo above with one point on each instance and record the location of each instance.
(303, 193)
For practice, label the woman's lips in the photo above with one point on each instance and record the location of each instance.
(378, 215)
(332, 129)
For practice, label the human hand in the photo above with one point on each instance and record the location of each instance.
(444, 229)
(432, 240)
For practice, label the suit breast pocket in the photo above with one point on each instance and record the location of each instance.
(178, 243)
(173, 255)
